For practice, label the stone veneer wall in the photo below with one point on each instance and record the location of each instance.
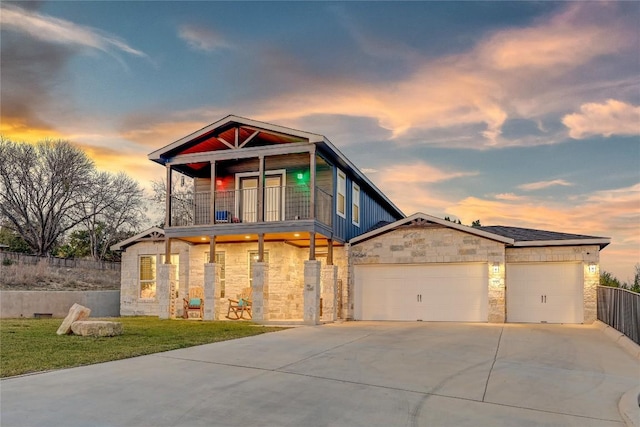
(286, 276)
(587, 255)
(434, 244)
(130, 303)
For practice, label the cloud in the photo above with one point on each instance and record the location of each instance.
(544, 184)
(509, 197)
(611, 118)
(54, 30)
(202, 39)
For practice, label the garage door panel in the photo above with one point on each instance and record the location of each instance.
(447, 292)
(545, 292)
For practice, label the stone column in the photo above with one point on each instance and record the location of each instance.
(165, 290)
(312, 292)
(260, 291)
(591, 257)
(209, 291)
(329, 293)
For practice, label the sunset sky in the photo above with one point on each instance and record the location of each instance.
(514, 113)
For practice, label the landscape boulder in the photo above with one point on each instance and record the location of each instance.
(96, 328)
(76, 312)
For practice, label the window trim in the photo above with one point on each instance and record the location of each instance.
(341, 190)
(355, 203)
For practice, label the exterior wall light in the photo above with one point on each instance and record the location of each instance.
(592, 268)
(496, 268)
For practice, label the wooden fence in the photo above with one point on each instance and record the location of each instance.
(19, 258)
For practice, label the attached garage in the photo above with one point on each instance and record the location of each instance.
(423, 268)
(549, 292)
(456, 292)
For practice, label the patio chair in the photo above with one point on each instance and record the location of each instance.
(238, 307)
(195, 303)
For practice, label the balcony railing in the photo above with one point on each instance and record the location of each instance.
(286, 203)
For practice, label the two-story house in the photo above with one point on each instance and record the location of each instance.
(252, 205)
(281, 214)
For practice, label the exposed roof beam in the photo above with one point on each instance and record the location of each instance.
(270, 150)
(224, 141)
(253, 135)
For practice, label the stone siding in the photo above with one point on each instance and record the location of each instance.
(424, 245)
(587, 255)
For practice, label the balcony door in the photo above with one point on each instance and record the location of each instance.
(247, 184)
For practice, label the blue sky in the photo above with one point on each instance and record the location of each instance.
(515, 113)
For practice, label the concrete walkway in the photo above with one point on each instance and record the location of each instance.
(351, 374)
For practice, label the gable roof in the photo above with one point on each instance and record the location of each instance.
(163, 155)
(510, 236)
(533, 237)
(151, 234)
(421, 218)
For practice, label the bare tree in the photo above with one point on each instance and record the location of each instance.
(182, 199)
(41, 189)
(51, 187)
(114, 208)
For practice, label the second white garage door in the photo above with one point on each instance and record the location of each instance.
(545, 292)
(434, 292)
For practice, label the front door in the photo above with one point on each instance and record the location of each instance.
(249, 199)
(273, 198)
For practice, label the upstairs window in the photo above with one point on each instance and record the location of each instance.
(341, 194)
(355, 207)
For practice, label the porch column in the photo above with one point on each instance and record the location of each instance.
(212, 197)
(167, 250)
(312, 182)
(260, 292)
(165, 290)
(261, 247)
(167, 215)
(312, 246)
(209, 291)
(329, 292)
(261, 189)
(212, 249)
(312, 292)
(329, 251)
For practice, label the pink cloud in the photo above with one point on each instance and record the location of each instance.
(532, 186)
(611, 118)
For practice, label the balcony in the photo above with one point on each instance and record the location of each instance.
(281, 203)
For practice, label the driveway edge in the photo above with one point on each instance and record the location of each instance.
(621, 339)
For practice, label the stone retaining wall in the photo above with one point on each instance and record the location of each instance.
(16, 304)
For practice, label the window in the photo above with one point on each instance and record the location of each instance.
(221, 277)
(147, 277)
(253, 257)
(355, 200)
(175, 260)
(341, 196)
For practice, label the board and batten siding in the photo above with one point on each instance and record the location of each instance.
(371, 212)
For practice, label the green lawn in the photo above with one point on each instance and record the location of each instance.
(31, 345)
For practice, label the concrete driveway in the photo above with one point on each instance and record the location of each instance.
(350, 374)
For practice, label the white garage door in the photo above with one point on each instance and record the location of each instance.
(434, 292)
(545, 292)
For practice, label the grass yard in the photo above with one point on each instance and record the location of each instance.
(31, 345)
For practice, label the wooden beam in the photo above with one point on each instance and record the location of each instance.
(212, 249)
(261, 189)
(312, 247)
(253, 135)
(225, 142)
(237, 136)
(312, 183)
(167, 215)
(212, 196)
(329, 251)
(167, 250)
(261, 247)
(268, 150)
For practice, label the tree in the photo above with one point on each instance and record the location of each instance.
(608, 279)
(13, 240)
(182, 197)
(455, 221)
(41, 187)
(51, 187)
(117, 209)
(476, 223)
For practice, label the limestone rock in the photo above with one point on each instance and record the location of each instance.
(76, 312)
(96, 328)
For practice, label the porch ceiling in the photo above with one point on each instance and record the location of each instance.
(298, 239)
